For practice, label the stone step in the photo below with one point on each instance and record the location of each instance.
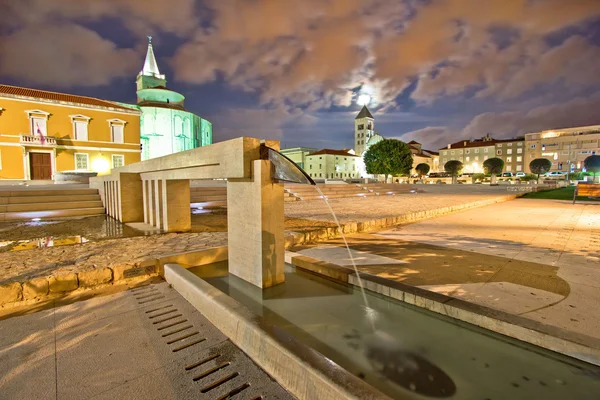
(335, 196)
(208, 190)
(48, 199)
(52, 192)
(63, 205)
(199, 198)
(29, 215)
(208, 204)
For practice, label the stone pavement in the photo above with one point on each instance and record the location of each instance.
(144, 343)
(536, 258)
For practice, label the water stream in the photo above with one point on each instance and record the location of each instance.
(360, 283)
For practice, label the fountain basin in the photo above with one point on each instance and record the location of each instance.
(414, 353)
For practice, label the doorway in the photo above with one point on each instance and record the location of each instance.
(40, 165)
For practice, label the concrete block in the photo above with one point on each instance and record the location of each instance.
(255, 223)
(176, 205)
(35, 288)
(63, 283)
(95, 277)
(10, 292)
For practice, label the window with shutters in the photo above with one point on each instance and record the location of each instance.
(81, 161)
(118, 160)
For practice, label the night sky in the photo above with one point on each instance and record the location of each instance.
(437, 71)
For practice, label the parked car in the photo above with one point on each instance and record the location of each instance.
(555, 174)
(507, 175)
(520, 174)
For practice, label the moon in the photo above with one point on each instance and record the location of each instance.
(363, 99)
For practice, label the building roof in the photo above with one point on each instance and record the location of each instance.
(333, 152)
(434, 153)
(150, 65)
(462, 144)
(413, 142)
(37, 94)
(364, 113)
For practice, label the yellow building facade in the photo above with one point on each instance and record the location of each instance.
(42, 133)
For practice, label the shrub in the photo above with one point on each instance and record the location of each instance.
(422, 169)
(540, 166)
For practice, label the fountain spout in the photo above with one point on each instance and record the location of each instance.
(284, 169)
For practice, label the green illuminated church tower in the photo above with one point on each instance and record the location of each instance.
(166, 126)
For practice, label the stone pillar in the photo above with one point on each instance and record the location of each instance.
(176, 212)
(255, 227)
(150, 204)
(145, 199)
(157, 203)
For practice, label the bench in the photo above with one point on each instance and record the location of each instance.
(587, 189)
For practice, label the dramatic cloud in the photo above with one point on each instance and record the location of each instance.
(513, 71)
(581, 111)
(310, 53)
(294, 60)
(316, 53)
(431, 137)
(79, 56)
(43, 42)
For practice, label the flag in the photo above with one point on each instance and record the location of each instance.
(39, 132)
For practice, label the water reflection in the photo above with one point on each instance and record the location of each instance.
(45, 242)
(414, 354)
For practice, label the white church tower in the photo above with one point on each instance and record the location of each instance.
(364, 128)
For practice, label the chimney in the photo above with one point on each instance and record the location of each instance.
(448, 146)
(465, 143)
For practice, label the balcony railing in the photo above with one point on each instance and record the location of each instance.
(38, 140)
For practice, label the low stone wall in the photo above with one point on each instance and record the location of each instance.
(73, 177)
(40, 288)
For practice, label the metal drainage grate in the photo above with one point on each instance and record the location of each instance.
(179, 334)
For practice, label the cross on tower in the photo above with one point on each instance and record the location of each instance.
(149, 39)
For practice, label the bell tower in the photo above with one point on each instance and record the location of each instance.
(364, 128)
(149, 76)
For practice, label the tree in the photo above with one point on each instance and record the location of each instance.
(422, 169)
(493, 166)
(540, 166)
(592, 164)
(389, 157)
(453, 167)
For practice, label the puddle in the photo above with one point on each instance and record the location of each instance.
(28, 235)
(40, 243)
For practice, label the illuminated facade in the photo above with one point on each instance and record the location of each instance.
(566, 148)
(42, 133)
(166, 126)
(423, 156)
(298, 154)
(332, 164)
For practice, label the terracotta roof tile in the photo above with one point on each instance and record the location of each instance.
(62, 97)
